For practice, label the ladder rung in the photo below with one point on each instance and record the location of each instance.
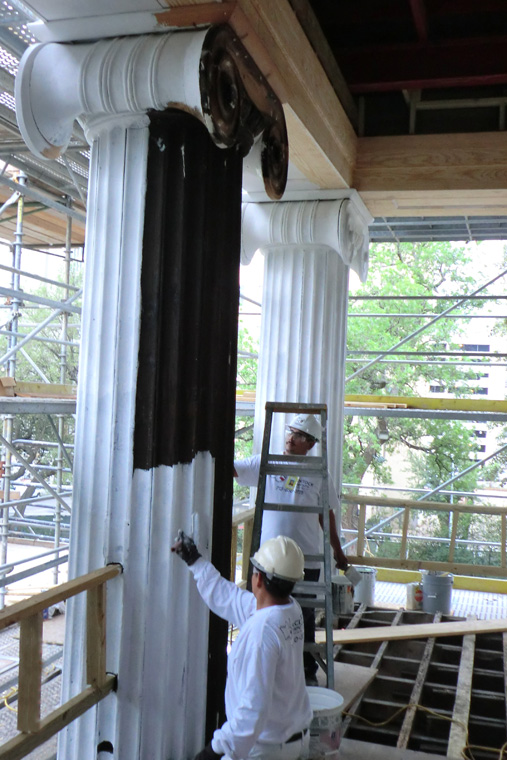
(309, 587)
(298, 459)
(291, 508)
(314, 557)
(298, 471)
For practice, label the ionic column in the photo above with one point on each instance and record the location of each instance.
(308, 247)
(156, 399)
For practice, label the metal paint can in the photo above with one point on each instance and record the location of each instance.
(343, 595)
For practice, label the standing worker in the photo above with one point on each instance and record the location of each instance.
(266, 702)
(301, 435)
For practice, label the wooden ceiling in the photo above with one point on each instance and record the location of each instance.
(402, 100)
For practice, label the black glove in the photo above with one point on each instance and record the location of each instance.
(186, 549)
(208, 753)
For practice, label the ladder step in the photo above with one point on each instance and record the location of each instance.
(291, 508)
(309, 587)
(301, 461)
(297, 471)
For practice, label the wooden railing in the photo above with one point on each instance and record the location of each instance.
(29, 614)
(246, 519)
(403, 561)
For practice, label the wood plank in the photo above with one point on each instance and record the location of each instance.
(432, 162)
(421, 402)
(454, 532)
(404, 534)
(380, 501)
(457, 568)
(374, 665)
(274, 38)
(22, 744)
(437, 203)
(247, 545)
(458, 736)
(349, 680)
(96, 636)
(417, 631)
(415, 697)
(353, 749)
(234, 549)
(30, 672)
(38, 603)
(361, 528)
(313, 30)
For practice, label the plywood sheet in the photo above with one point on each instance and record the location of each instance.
(351, 749)
(350, 681)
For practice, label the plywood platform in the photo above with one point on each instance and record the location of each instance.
(430, 697)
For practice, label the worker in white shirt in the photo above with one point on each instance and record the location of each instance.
(301, 435)
(267, 706)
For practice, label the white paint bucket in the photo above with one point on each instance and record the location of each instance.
(364, 592)
(343, 595)
(437, 591)
(325, 728)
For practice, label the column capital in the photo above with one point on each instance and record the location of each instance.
(341, 225)
(117, 81)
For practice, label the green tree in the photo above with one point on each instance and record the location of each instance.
(433, 450)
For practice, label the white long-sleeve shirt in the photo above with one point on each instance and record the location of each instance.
(303, 527)
(265, 696)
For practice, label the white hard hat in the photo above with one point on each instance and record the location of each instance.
(280, 557)
(307, 424)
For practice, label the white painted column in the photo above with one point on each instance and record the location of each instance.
(157, 624)
(309, 247)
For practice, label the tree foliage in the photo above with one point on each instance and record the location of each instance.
(432, 451)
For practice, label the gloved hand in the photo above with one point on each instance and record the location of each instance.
(186, 549)
(208, 753)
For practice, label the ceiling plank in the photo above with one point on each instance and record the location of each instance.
(456, 162)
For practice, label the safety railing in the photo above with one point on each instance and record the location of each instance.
(243, 518)
(404, 511)
(34, 731)
(240, 553)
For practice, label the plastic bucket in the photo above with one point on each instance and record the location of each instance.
(325, 728)
(343, 595)
(364, 592)
(437, 592)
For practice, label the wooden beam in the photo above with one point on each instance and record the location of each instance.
(480, 202)
(25, 609)
(96, 636)
(22, 744)
(454, 162)
(274, 38)
(425, 506)
(30, 672)
(421, 631)
(374, 665)
(458, 736)
(422, 673)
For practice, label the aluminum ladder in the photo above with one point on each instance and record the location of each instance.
(277, 464)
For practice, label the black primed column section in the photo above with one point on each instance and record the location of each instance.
(189, 320)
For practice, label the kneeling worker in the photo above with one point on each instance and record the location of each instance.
(266, 702)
